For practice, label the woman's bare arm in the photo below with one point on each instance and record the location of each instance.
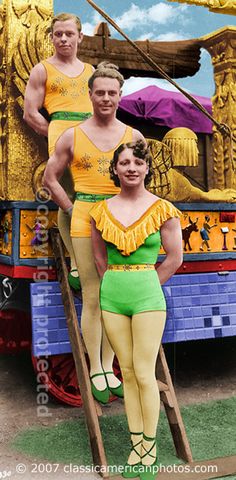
(171, 238)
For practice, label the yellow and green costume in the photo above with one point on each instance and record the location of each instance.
(68, 104)
(66, 100)
(90, 172)
(133, 311)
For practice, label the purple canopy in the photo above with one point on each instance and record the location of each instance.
(170, 109)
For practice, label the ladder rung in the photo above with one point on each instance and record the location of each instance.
(163, 387)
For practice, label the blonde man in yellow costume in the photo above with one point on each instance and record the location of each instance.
(88, 149)
(60, 85)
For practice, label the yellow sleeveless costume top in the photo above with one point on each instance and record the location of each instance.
(90, 172)
(66, 94)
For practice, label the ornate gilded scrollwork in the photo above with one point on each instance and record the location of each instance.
(26, 12)
(168, 181)
(222, 47)
(162, 162)
(34, 46)
(218, 6)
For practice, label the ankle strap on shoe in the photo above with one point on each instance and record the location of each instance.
(136, 433)
(149, 439)
(96, 375)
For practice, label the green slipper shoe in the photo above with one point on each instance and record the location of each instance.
(74, 282)
(100, 395)
(117, 391)
(132, 471)
(149, 472)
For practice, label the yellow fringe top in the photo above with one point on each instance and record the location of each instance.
(128, 239)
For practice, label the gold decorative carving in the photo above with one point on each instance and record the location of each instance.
(27, 11)
(183, 145)
(173, 185)
(162, 162)
(21, 47)
(217, 6)
(222, 47)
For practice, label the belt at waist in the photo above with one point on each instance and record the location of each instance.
(128, 268)
(91, 197)
(73, 116)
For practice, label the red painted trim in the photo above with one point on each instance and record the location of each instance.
(186, 267)
(20, 271)
(207, 266)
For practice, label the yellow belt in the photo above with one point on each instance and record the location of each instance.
(128, 268)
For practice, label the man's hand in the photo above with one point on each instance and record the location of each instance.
(55, 168)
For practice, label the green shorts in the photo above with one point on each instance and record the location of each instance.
(128, 293)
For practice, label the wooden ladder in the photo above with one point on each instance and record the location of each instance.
(91, 408)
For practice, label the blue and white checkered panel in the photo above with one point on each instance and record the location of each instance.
(199, 306)
(49, 327)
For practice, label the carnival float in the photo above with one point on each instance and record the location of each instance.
(195, 165)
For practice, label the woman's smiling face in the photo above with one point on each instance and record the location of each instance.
(131, 170)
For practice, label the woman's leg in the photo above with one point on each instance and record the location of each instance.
(147, 330)
(119, 331)
(94, 337)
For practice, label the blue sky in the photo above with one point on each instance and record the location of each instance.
(156, 20)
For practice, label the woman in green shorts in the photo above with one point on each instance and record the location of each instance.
(127, 232)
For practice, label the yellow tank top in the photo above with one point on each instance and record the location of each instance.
(90, 166)
(67, 94)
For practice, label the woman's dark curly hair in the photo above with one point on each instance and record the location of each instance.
(140, 150)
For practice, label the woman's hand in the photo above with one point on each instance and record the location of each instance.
(171, 239)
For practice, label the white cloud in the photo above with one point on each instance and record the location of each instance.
(132, 18)
(146, 36)
(172, 36)
(88, 27)
(164, 37)
(133, 84)
(160, 13)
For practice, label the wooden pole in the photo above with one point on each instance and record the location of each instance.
(222, 127)
(98, 453)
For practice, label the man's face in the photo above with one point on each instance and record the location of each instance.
(105, 96)
(66, 37)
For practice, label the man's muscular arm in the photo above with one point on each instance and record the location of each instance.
(56, 165)
(34, 98)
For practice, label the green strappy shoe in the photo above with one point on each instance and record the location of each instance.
(149, 472)
(100, 395)
(74, 282)
(132, 471)
(118, 391)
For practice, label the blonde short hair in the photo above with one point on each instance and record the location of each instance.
(62, 17)
(106, 70)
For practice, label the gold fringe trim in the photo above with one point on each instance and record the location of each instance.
(129, 239)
